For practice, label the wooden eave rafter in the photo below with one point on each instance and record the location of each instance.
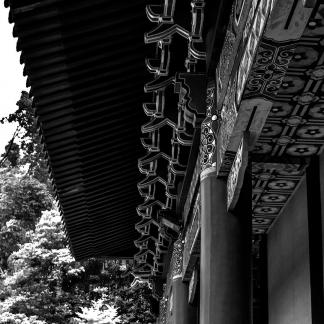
(87, 91)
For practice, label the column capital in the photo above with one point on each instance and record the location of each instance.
(176, 261)
(208, 134)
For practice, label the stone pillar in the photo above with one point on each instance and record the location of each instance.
(314, 180)
(225, 258)
(225, 266)
(181, 312)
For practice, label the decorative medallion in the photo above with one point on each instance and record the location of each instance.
(208, 138)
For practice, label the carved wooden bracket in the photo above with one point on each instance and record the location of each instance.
(162, 13)
(175, 110)
(236, 175)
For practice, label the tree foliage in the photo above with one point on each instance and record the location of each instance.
(43, 281)
(99, 313)
(25, 146)
(22, 200)
(40, 281)
(37, 271)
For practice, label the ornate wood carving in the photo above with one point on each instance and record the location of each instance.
(176, 260)
(228, 119)
(161, 13)
(191, 88)
(236, 175)
(163, 310)
(191, 250)
(254, 34)
(208, 134)
(235, 41)
(194, 187)
(193, 283)
(254, 14)
(268, 70)
(175, 109)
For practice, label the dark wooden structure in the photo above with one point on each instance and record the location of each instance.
(212, 177)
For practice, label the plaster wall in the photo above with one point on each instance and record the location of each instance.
(288, 264)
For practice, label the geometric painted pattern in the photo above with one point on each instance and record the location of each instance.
(295, 125)
(294, 129)
(273, 184)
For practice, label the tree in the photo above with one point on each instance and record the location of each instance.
(22, 200)
(40, 281)
(113, 284)
(45, 281)
(36, 273)
(12, 154)
(9, 318)
(99, 313)
(29, 150)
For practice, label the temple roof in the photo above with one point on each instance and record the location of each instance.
(85, 66)
(85, 63)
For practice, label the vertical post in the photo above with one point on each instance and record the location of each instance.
(181, 312)
(225, 273)
(225, 258)
(314, 178)
(264, 279)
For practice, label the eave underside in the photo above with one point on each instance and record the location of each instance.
(86, 72)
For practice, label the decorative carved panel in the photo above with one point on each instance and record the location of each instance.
(191, 250)
(175, 267)
(193, 286)
(236, 175)
(235, 40)
(193, 189)
(208, 133)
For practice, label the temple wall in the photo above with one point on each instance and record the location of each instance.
(288, 264)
